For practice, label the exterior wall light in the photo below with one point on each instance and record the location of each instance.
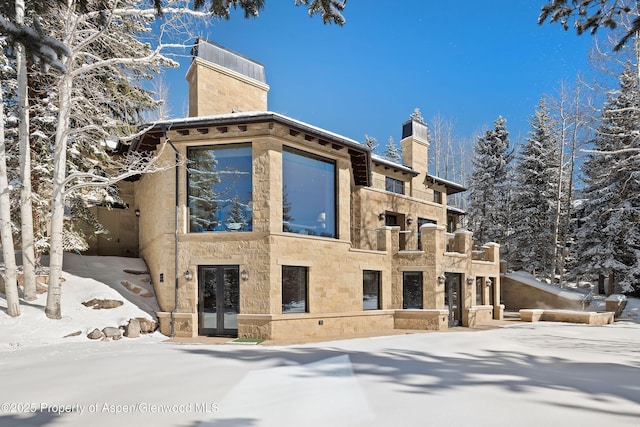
(442, 279)
(381, 216)
(188, 275)
(470, 280)
(409, 220)
(244, 275)
(137, 212)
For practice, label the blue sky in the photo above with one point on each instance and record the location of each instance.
(467, 60)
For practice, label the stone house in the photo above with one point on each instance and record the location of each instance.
(268, 227)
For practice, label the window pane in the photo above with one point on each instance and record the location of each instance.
(394, 185)
(489, 284)
(479, 291)
(308, 194)
(412, 289)
(294, 289)
(219, 188)
(371, 290)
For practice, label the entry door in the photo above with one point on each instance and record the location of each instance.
(453, 297)
(412, 289)
(219, 300)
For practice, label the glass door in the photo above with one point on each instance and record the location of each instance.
(453, 297)
(219, 300)
(412, 290)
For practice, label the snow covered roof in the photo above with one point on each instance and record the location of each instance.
(360, 154)
(456, 210)
(387, 162)
(452, 187)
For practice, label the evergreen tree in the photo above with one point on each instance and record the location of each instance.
(534, 195)
(417, 116)
(371, 142)
(236, 220)
(489, 186)
(590, 15)
(286, 211)
(608, 241)
(392, 151)
(202, 197)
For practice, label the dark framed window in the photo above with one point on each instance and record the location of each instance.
(294, 289)
(308, 194)
(437, 196)
(371, 290)
(412, 289)
(219, 188)
(479, 291)
(452, 220)
(394, 185)
(490, 283)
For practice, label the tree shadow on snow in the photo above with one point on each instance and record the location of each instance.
(422, 372)
(35, 419)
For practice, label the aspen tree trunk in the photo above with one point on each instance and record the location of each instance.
(572, 165)
(56, 253)
(26, 209)
(8, 253)
(558, 207)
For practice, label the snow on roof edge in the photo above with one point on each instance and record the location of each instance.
(253, 114)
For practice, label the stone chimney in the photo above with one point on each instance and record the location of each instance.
(222, 81)
(415, 150)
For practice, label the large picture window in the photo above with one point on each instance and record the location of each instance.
(308, 194)
(294, 289)
(371, 290)
(220, 188)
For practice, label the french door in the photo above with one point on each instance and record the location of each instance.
(218, 300)
(453, 297)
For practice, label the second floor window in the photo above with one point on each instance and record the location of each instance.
(394, 185)
(437, 196)
(308, 194)
(219, 188)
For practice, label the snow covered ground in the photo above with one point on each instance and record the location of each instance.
(524, 374)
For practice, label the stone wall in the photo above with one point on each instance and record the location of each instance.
(214, 89)
(430, 320)
(297, 326)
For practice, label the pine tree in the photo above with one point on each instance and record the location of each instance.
(417, 116)
(371, 142)
(590, 15)
(534, 195)
(489, 186)
(202, 197)
(392, 151)
(236, 220)
(608, 241)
